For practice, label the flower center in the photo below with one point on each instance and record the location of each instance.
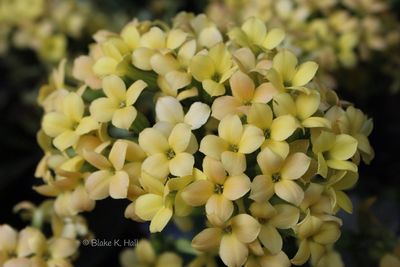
(170, 154)
(276, 177)
(233, 148)
(228, 229)
(218, 188)
(122, 104)
(267, 133)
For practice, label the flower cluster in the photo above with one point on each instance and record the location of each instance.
(186, 121)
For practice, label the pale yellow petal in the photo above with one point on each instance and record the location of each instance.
(197, 115)
(224, 106)
(8, 238)
(273, 38)
(277, 260)
(236, 186)
(197, 193)
(86, 125)
(180, 137)
(105, 66)
(295, 166)
(307, 105)
(182, 164)
(269, 162)
(245, 228)
(102, 109)
(213, 146)
(65, 140)
(98, 184)
(328, 234)
(148, 205)
(303, 253)
(287, 216)
(118, 154)
(162, 64)
(283, 127)
(344, 148)
(153, 141)
(251, 139)
(169, 109)
(202, 67)
(270, 238)
(230, 129)
(124, 117)
(131, 36)
(156, 165)
(323, 142)
(207, 240)
(285, 63)
(260, 115)
(262, 188)
(344, 201)
(214, 170)
(232, 251)
(234, 163)
(96, 159)
(178, 79)
(242, 87)
(141, 58)
(219, 206)
(209, 36)
(289, 191)
(283, 104)
(342, 165)
(114, 87)
(160, 220)
(305, 73)
(54, 124)
(255, 30)
(63, 247)
(264, 93)
(151, 184)
(73, 107)
(134, 91)
(213, 88)
(155, 38)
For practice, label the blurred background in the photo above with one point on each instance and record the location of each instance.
(34, 40)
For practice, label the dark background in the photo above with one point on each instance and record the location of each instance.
(364, 239)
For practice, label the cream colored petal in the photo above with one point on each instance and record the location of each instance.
(262, 188)
(148, 205)
(197, 193)
(270, 238)
(323, 142)
(273, 38)
(114, 87)
(242, 87)
(86, 125)
(155, 38)
(264, 93)
(230, 129)
(220, 206)
(278, 260)
(316, 122)
(209, 36)
(251, 139)
(305, 73)
(124, 117)
(303, 254)
(328, 234)
(153, 141)
(8, 238)
(102, 109)
(260, 115)
(162, 64)
(283, 127)
(178, 79)
(151, 184)
(180, 137)
(54, 124)
(214, 170)
(232, 251)
(169, 109)
(118, 154)
(134, 91)
(285, 63)
(344, 201)
(160, 220)
(344, 148)
(98, 184)
(255, 30)
(65, 140)
(207, 240)
(269, 162)
(131, 36)
(236, 186)
(156, 165)
(283, 104)
(342, 165)
(73, 107)
(96, 159)
(213, 88)
(213, 146)
(234, 163)
(287, 216)
(141, 58)
(280, 148)
(202, 67)
(224, 106)
(176, 38)
(63, 247)
(105, 66)
(245, 228)
(295, 166)
(289, 191)
(197, 115)
(307, 105)
(181, 164)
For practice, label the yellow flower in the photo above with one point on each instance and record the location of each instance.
(254, 33)
(271, 218)
(114, 49)
(286, 74)
(169, 150)
(143, 255)
(113, 175)
(212, 69)
(268, 259)
(233, 143)
(217, 190)
(304, 108)
(169, 109)
(82, 71)
(117, 106)
(161, 202)
(333, 151)
(279, 175)
(68, 125)
(244, 94)
(232, 239)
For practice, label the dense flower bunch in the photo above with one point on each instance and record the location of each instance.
(31, 247)
(192, 125)
(335, 33)
(45, 25)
